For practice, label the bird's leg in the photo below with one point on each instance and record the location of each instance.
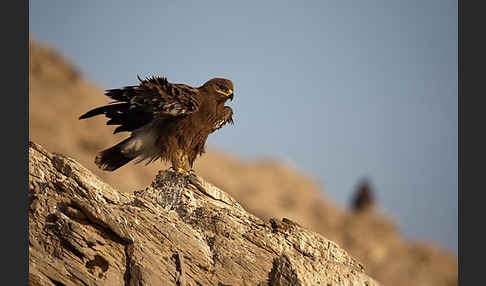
(191, 162)
(177, 168)
(180, 163)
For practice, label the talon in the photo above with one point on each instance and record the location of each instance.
(180, 170)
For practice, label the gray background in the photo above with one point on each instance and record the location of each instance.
(340, 89)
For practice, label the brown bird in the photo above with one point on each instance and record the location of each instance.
(167, 120)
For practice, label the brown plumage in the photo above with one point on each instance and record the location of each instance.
(166, 120)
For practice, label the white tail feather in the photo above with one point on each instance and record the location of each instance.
(142, 145)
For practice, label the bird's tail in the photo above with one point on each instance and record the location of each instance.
(115, 157)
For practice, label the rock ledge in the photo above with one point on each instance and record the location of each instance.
(181, 230)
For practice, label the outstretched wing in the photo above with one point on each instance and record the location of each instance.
(135, 106)
(226, 117)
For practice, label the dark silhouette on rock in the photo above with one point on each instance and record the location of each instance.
(364, 197)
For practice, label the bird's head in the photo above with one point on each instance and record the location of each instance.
(221, 87)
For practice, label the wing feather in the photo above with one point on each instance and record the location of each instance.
(226, 117)
(155, 97)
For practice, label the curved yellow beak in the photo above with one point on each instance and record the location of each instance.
(229, 93)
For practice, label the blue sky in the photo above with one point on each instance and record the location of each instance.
(341, 89)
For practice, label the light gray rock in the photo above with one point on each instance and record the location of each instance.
(181, 230)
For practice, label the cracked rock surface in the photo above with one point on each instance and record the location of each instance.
(181, 230)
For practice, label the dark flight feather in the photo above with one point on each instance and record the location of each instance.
(112, 158)
(136, 106)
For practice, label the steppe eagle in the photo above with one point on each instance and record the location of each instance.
(167, 120)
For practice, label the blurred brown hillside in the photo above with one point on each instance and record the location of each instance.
(58, 94)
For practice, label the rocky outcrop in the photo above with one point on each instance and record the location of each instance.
(50, 66)
(181, 230)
